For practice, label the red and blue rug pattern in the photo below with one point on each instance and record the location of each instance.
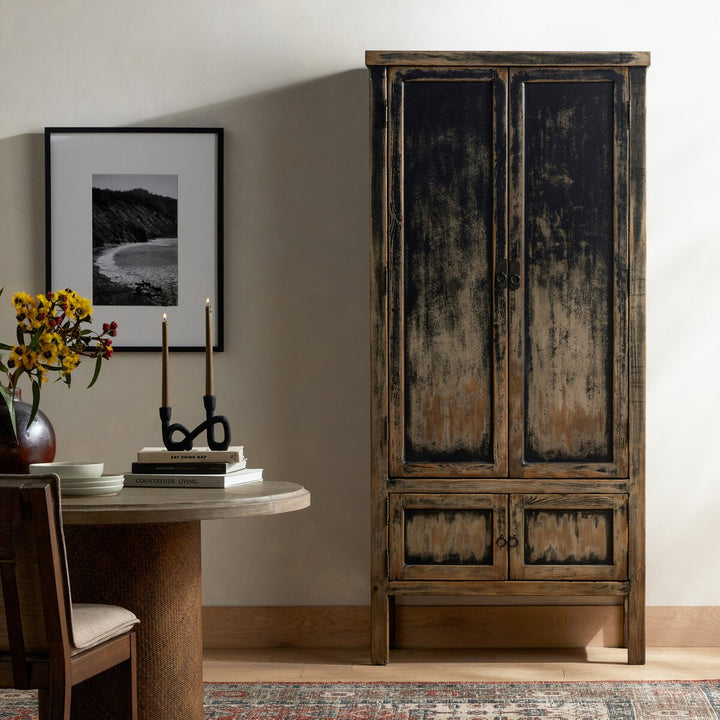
(676, 700)
(464, 701)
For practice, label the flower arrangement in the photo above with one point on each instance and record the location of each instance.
(52, 337)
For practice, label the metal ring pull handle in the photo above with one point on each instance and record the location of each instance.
(514, 273)
(507, 274)
(501, 541)
(501, 274)
(513, 541)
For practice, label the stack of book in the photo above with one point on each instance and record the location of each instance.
(196, 468)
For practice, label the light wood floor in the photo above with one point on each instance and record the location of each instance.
(338, 665)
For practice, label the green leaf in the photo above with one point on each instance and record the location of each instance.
(19, 335)
(7, 396)
(98, 366)
(35, 402)
(36, 337)
(3, 346)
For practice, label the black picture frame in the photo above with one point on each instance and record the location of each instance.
(109, 203)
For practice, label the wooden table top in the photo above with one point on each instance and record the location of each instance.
(154, 505)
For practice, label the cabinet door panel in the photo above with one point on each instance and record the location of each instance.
(447, 537)
(568, 537)
(568, 195)
(447, 176)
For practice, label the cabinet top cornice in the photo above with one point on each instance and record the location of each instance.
(515, 59)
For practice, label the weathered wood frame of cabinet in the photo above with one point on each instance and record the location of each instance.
(490, 508)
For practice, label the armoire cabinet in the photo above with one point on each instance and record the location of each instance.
(507, 331)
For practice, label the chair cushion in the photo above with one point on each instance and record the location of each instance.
(94, 624)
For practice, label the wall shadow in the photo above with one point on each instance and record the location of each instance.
(22, 220)
(294, 377)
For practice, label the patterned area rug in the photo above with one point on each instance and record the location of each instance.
(675, 700)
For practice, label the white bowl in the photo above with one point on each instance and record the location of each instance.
(69, 469)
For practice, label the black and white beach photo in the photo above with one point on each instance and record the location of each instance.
(134, 221)
(135, 239)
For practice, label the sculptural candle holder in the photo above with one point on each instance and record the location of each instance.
(187, 436)
(211, 420)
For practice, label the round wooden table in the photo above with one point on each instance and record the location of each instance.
(141, 549)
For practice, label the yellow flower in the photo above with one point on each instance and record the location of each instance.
(23, 357)
(21, 299)
(30, 360)
(49, 347)
(44, 308)
(69, 362)
(77, 306)
(15, 359)
(83, 308)
(25, 310)
(43, 303)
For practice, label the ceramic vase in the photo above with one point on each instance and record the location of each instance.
(35, 443)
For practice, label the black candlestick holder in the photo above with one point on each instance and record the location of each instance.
(187, 436)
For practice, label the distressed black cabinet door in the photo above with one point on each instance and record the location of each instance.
(448, 536)
(447, 179)
(568, 230)
(568, 537)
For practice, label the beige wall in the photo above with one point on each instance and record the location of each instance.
(287, 82)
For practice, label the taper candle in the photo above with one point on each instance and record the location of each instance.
(165, 402)
(209, 390)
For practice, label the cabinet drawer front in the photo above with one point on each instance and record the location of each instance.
(447, 537)
(569, 537)
(447, 342)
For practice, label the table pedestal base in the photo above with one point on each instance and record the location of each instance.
(153, 570)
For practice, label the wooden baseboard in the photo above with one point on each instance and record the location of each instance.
(307, 627)
(456, 626)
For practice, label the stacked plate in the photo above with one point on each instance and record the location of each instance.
(81, 478)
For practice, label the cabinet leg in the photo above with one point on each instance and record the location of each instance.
(391, 621)
(635, 624)
(625, 616)
(380, 627)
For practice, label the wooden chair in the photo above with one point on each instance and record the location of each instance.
(46, 642)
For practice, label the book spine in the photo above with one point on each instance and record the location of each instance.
(168, 456)
(174, 481)
(215, 468)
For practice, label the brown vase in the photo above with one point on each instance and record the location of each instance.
(34, 444)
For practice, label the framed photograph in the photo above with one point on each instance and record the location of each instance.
(134, 221)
